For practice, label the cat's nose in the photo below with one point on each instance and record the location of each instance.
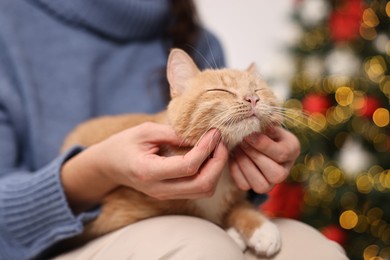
(253, 99)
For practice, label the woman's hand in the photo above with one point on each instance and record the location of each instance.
(263, 160)
(136, 163)
(130, 158)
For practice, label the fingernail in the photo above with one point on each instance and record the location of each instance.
(271, 130)
(236, 152)
(216, 135)
(251, 139)
(215, 138)
(244, 144)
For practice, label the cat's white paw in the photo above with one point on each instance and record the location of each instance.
(233, 233)
(266, 239)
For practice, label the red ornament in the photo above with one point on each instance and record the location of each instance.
(344, 22)
(335, 233)
(368, 106)
(285, 200)
(315, 103)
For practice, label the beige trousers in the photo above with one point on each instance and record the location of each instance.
(189, 238)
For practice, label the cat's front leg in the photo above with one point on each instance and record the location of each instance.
(266, 239)
(248, 227)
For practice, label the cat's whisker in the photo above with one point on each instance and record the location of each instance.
(211, 52)
(290, 116)
(220, 121)
(295, 117)
(202, 56)
(223, 121)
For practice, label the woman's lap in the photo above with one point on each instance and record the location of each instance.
(169, 237)
(182, 237)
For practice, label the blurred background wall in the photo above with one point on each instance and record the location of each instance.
(250, 31)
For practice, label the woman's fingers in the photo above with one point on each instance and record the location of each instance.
(237, 175)
(200, 185)
(163, 168)
(271, 171)
(278, 144)
(252, 172)
(263, 160)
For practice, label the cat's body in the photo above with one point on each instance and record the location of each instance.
(237, 103)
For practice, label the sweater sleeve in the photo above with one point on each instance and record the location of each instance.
(34, 213)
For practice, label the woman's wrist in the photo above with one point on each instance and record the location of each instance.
(84, 181)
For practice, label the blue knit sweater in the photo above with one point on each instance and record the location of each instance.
(62, 62)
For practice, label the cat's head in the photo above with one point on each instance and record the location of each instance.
(238, 103)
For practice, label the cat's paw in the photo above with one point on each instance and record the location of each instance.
(266, 239)
(233, 233)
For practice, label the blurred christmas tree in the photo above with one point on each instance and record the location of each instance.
(341, 182)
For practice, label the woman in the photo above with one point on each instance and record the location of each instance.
(63, 62)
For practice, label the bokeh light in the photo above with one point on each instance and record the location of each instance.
(364, 183)
(381, 117)
(370, 252)
(348, 219)
(344, 96)
(375, 68)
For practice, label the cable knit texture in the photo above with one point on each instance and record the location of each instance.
(31, 205)
(123, 20)
(63, 62)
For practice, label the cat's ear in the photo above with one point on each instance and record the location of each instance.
(180, 68)
(252, 69)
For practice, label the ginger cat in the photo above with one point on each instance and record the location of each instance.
(237, 103)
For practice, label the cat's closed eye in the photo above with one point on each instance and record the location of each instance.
(259, 90)
(221, 89)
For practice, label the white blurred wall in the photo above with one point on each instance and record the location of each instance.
(250, 30)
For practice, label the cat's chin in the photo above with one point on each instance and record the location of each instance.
(235, 134)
